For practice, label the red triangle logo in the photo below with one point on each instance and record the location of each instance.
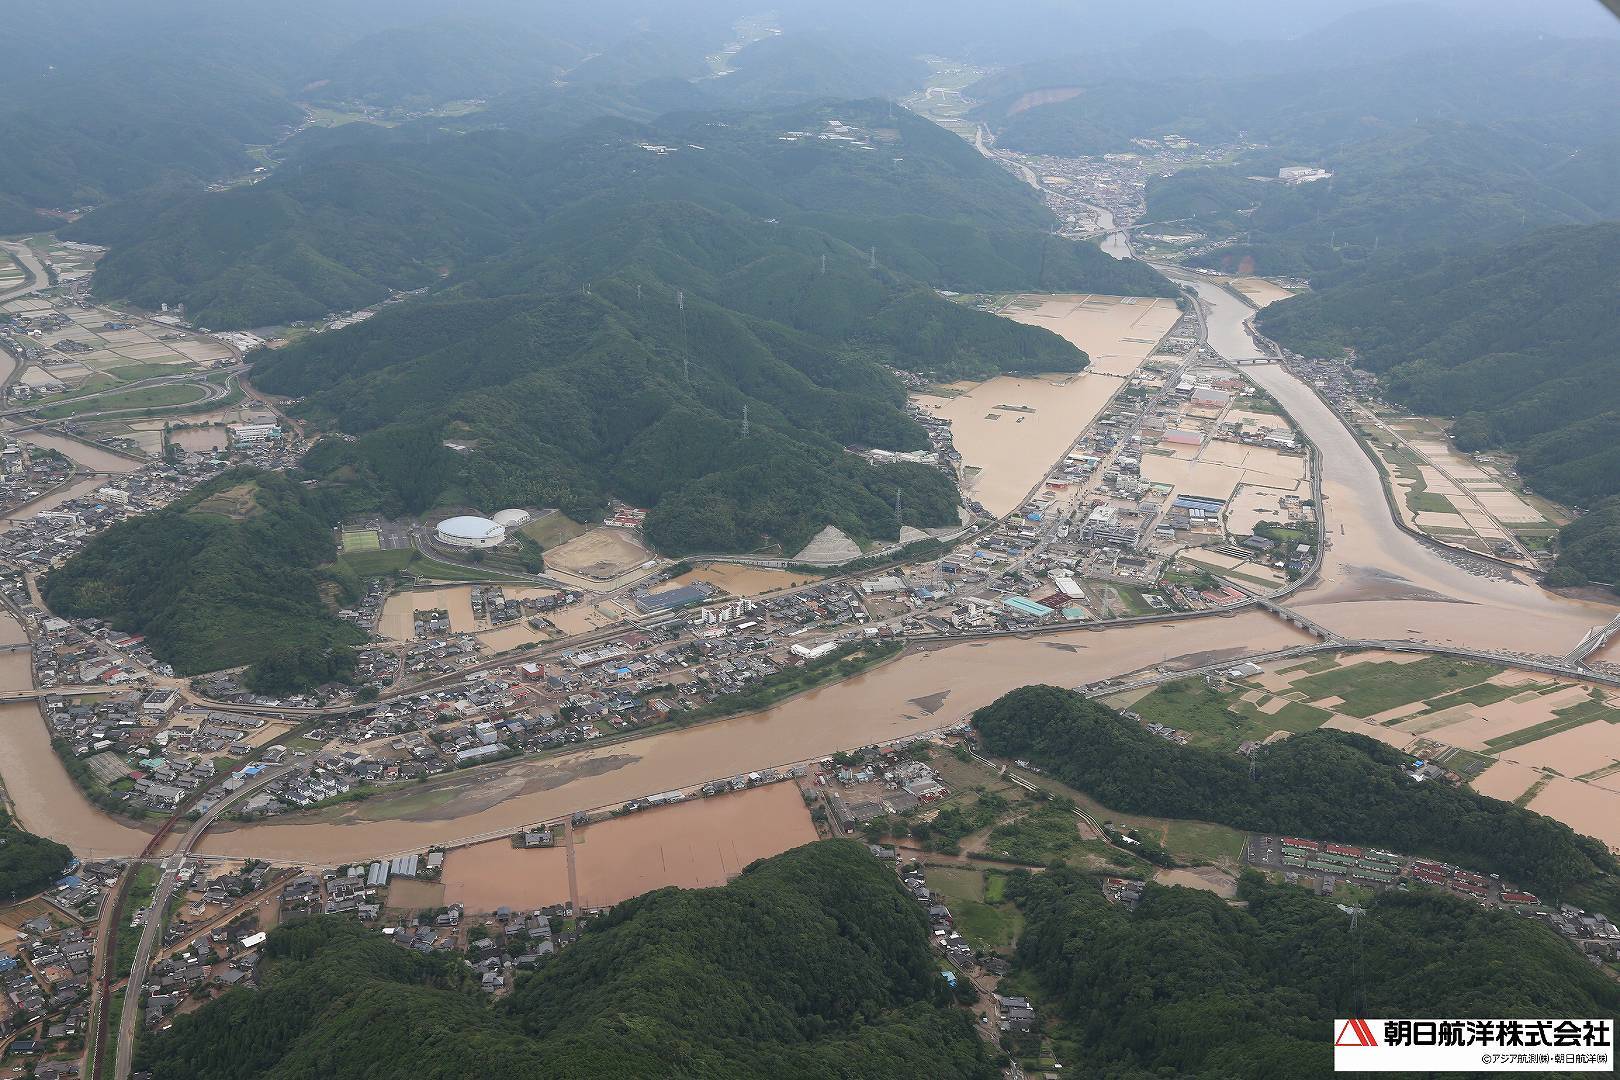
(1355, 1033)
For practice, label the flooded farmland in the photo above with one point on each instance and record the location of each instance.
(1378, 582)
(695, 844)
(397, 624)
(1259, 291)
(1117, 332)
(1010, 431)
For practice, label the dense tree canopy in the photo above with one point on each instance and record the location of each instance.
(1191, 986)
(1328, 784)
(28, 863)
(815, 963)
(223, 577)
(359, 213)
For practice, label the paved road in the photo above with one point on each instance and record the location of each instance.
(212, 392)
(151, 933)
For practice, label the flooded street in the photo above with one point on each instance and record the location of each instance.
(742, 580)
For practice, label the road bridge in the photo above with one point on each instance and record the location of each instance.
(151, 932)
(1289, 615)
(1595, 639)
(38, 692)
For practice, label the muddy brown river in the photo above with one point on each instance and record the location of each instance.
(43, 796)
(1377, 582)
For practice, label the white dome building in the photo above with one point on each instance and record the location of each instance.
(512, 519)
(470, 532)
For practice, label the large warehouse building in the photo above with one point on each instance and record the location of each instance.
(470, 532)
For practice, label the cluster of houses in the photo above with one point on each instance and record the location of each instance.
(45, 972)
(883, 784)
(1329, 865)
(27, 472)
(46, 538)
(142, 748)
(1015, 1015)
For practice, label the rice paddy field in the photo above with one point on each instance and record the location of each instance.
(91, 348)
(1552, 745)
(1451, 495)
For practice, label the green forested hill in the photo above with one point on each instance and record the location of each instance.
(1434, 184)
(1520, 342)
(328, 238)
(1187, 985)
(812, 964)
(362, 213)
(28, 863)
(566, 398)
(1328, 784)
(223, 577)
(615, 349)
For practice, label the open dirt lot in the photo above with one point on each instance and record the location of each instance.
(602, 553)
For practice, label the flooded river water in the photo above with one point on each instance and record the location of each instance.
(43, 796)
(1377, 582)
(923, 690)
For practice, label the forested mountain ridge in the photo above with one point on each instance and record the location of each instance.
(1189, 985)
(663, 288)
(634, 391)
(1329, 784)
(1435, 184)
(361, 214)
(810, 964)
(1520, 342)
(1310, 99)
(223, 577)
